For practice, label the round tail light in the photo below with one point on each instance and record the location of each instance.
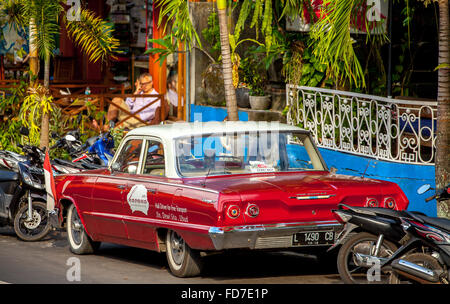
(371, 202)
(252, 210)
(233, 211)
(389, 203)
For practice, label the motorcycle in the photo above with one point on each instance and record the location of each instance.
(23, 196)
(370, 236)
(424, 257)
(95, 153)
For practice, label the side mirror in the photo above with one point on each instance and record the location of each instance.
(70, 137)
(333, 170)
(24, 131)
(55, 135)
(114, 167)
(80, 116)
(424, 188)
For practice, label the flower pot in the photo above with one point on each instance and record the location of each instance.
(242, 95)
(259, 102)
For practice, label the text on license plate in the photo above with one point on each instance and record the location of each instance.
(311, 238)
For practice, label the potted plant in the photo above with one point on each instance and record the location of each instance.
(254, 77)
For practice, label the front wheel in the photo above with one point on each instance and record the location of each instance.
(183, 261)
(36, 228)
(79, 241)
(354, 261)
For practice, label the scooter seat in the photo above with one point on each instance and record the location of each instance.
(379, 211)
(7, 176)
(439, 222)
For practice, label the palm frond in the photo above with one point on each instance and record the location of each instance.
(177, 11)
(93, 35)
(45, 14)
(14, 13)
(333, 43)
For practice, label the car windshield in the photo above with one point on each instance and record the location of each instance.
(246, 152)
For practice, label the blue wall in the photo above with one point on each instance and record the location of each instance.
(204, 113)
(408, 177)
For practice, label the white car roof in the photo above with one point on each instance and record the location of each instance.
(176, 130)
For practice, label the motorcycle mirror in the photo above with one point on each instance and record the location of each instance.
(424, 188)
(79, 118)
(112, 124)
(69, 137)
(24, 131)
(55, 135)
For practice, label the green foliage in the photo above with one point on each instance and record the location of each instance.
(253, 73)
(94, 35)
(212, 34)
(168, 44)
(36, 103)
(177, 13)
(10, 122)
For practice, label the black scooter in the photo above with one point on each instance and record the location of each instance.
(23, 197)
(424, 256)
(370, 236)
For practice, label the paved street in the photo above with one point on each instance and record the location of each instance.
(47, 262)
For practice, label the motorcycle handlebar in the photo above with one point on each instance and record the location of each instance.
(430, 198)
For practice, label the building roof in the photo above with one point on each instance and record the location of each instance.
(196, 128)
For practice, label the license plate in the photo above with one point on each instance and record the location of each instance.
(313, 238)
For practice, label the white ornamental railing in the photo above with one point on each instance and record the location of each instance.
(382, 128)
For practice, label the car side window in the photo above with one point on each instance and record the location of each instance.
(128, 159)
(154, 159)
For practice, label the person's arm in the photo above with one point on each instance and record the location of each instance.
(157, 119)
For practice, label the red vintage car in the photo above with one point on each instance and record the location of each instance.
(187, 188)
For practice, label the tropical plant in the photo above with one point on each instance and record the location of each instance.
(42, 19)
(336, 45)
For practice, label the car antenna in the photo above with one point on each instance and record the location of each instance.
(204, 180)
(368, 163)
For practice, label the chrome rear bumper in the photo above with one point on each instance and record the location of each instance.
(266, 236)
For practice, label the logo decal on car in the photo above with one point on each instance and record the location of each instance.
(137, 199)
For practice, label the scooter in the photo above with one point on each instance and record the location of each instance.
(370, 235)
(424, 256)
(23, 196)
(95, 153)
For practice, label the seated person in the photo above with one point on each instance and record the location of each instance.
(172, 95)
(151, 114)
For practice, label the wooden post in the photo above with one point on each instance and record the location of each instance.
(181, 78)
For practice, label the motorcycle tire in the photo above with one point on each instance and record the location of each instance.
(420, 259)
(363, 242)
(36, 229)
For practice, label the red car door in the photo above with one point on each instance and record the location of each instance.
(143, 193)
(111, 190)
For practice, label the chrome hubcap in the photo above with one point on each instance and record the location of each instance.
(178, 248)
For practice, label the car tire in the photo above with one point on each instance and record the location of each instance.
(40, 220)
(345, 257)
(183, 261)
(79, 241)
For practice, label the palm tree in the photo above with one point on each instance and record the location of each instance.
(227, 66)
(443, 112)
(334, 45)
(92, 34)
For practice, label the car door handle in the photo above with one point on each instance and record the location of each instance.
(121, 186)
(151, 190)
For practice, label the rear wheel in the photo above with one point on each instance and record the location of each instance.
(354, 271)
(79, 241)
(183, 261)
(36, 228)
